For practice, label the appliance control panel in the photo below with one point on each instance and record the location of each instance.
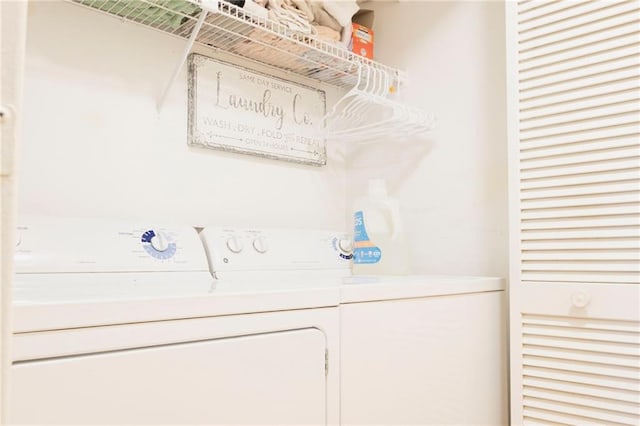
(230, 249)
(49, 244)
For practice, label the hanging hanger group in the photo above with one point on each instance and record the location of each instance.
(371, 112)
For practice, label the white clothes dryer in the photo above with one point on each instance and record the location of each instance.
(123, 324)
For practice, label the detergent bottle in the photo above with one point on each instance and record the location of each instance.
(379, 243)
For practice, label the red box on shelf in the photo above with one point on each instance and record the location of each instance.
(362, 33)
(362, 41)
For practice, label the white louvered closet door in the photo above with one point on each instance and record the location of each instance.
(574, 142)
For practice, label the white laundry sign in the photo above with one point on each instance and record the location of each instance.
(234, 109)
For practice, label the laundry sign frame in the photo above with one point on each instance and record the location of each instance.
(236, 109)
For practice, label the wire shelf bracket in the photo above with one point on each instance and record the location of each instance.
(211, 6)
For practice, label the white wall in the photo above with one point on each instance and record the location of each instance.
(452, 186)
(94, 144)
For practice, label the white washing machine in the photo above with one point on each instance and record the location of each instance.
(124, 324)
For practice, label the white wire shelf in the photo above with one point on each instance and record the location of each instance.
(239, 32)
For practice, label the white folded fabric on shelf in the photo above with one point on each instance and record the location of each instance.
(327, 34)
(322, 17)
(342, 11)
(305, 16)
(287, 14)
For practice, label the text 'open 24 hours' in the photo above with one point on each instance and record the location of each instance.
(234, 109)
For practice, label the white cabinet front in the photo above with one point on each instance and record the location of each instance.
(426, 361)
(270, 378)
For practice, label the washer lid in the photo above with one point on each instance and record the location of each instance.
(174, 302)
(377, 288)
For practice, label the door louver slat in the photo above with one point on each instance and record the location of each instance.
(623, 141)
(586, 200)
(588, 211)
(583, 169)
(583, 367)
(580, 255)
(591, 324)
(592, 244)
(582, 157)
(573, 223)
(572, 356)
(579, 180)
(567, 191)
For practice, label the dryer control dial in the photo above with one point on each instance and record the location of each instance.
(158, 245)
(260, 244)
(160, 242)
(235, 244)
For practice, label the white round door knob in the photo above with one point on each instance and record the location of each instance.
(235, 244)
(580, 299)
(159, 241)
(260, 244)
(346, 245)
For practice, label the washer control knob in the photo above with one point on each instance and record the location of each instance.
(235, 244)
(346, 245)
(159, 241)
(260, 244)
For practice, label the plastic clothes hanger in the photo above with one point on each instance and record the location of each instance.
(373, 105)
(369, 112)
(358, 111)
(346, 112)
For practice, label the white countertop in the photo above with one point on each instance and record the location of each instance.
(81, 300)
(375, 288)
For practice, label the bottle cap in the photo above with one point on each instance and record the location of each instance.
(378, 187)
